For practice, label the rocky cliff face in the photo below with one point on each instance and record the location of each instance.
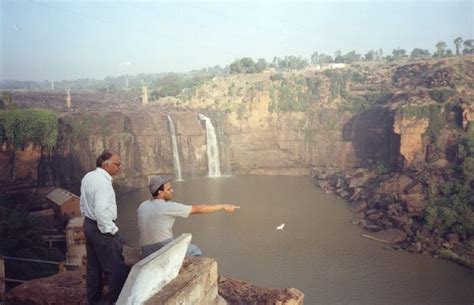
(263, 144)
(265, 125)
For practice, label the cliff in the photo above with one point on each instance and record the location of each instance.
(404, 118)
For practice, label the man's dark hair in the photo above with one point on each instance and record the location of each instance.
(103, 157)
(161, 188)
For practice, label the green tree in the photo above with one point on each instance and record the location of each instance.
(441, 49)
(324, 59)
(369, 56)
(399, 53)
(419, 53)
(38, 126)
(169, 85)
(261, 65)
(458, 42)
(314, 58)
(468, 46)
(243, 65)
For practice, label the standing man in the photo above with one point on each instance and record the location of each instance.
(156, 217)
(103, 242)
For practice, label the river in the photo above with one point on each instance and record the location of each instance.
(318, 251)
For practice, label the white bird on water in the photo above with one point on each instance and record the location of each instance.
(280, 227)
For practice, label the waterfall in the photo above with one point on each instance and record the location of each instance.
(212, 148)
(176, 163)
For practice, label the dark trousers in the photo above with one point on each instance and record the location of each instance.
(104, 257)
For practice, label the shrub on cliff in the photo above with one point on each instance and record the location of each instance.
(466, 155)
(442, 95)
(30, 125)
(450, 209)
(338, 82)
(295, 94)
(451, 204)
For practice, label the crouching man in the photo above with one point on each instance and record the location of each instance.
(156, 217)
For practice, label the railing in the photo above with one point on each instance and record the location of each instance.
(61, 267)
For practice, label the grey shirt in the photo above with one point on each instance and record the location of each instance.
(156, 219)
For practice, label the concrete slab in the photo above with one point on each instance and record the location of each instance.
(196, 284)
(152, 273)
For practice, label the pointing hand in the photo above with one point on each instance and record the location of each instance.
(230, 208)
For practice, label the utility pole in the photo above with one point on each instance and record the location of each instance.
(144, 95)
(68, 98)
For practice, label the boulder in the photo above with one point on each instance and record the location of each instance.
(68, 287)
(375, 216)
(390, 236)
(394, 185)
(236, 292)
(414, 203)
(359, 180)
(359, 206)
(400, 220)
(357, 194)
(414, 188)
(452, 238)
(395, 209)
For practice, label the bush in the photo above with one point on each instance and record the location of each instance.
(431, 112)
(466, 155)
(357, 77)
(295, 95)
(277, 76)
(450, 209)
(442, 96)
(338, 82)
(30, 125)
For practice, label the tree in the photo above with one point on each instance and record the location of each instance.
(23, 126)
(243, 65)
(419, 53)
(261, 64)
(351, 57)
(314, 57)
(170, 85)
(275, 62)
(440, 49)
(324, 59)
(399, 53)
(370, 55)
(458, 42)
(338, 56)
(468, 46)
(292, 62)
(380, 54)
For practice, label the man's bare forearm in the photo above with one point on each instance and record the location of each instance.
(209, 208)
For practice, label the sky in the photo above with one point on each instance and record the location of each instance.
(64, 40)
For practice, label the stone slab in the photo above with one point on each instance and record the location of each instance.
(196, 284)
(152, 273)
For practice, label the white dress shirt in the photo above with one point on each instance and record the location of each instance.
(98, 200)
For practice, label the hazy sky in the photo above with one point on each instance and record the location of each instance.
(43, 40)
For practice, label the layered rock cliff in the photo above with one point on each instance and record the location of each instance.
(284, 123)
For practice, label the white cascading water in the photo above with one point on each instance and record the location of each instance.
(176, 163)
(212, 148)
